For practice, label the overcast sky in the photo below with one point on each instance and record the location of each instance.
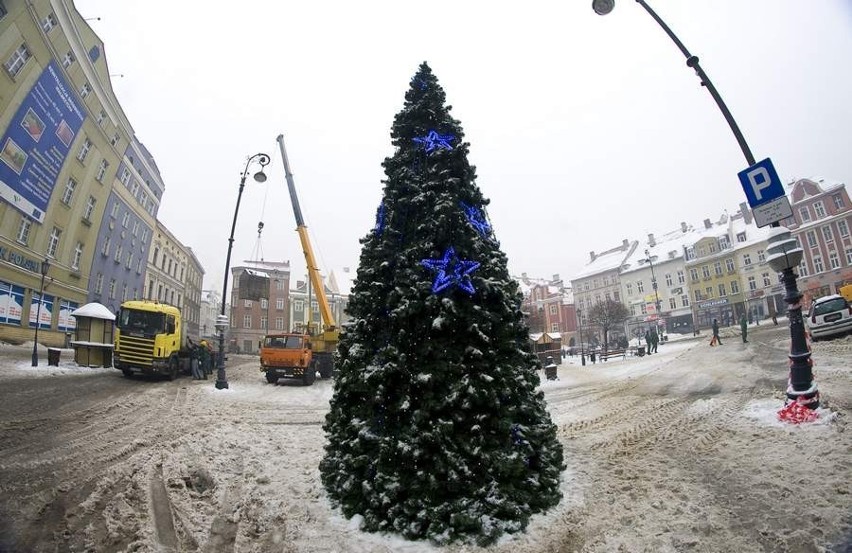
(585, 130)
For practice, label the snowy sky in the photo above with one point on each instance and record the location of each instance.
(585, 130)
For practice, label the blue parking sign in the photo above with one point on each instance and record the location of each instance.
(761, 183)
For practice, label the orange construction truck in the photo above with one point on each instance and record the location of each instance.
(288, 355)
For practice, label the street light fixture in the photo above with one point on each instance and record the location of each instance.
(45, 267)
(222, 319)
(801, 387)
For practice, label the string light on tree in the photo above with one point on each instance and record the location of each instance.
(476, 218)
(434, 141)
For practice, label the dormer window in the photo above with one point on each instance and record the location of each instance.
(741, 237)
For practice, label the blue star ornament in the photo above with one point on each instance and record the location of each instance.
(380, 219)
(476, 218)
(434, 141)
(451, 271)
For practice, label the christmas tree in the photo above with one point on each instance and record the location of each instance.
(436, 429)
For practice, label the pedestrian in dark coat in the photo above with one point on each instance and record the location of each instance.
(655, 340)
(715, 340)
(744, 327)
(194, 365)
(648, 341)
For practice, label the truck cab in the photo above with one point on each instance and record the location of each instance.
(287, 355)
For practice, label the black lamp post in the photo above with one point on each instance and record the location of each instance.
(222, 319)
(45, 266)
(580, 327)
(787, 253)
(649, 259)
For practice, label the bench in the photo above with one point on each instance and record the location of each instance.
(604, 355)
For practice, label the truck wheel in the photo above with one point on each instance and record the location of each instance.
(310, 375)
(127, 373)
(272, 377)
(173, 368)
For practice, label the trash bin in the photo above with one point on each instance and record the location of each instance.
(53, 356)
(640, 351)
(550, 369)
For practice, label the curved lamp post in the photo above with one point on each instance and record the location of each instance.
(802, 387)
(649, 259)
(45, 267)
(222, 319)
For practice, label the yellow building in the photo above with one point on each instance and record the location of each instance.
(57, 161)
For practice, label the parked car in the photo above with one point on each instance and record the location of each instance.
(829, 316)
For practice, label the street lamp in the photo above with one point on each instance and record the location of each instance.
(580, 327)
(649, 259)
(45, 266)
(222, 319)
(784, 253)
(801, 385)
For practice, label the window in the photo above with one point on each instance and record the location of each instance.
(17, 60)
(118, 252)
(681, 278)
(669, 280)
(819, 209)
(803, 268)
(102, 170)
(68, 195)
(139, 267)
(766, 280)
(643, 309)
(135, 228)
(115, 138)
(279, 284)
(804, 214)
(553, 310)
(843, 227)
(724, 243)
(129, 262)
(279, 323)
(812, 239)
(698, 295)
(735, 287)
(729, 264)
(101, 117)
(105, 247)
(124, 292)
(154, 258)
(746, 259)
(606, 295)
(616, 296)
(298, 305)
(85, 90)
(263, 322)
(833, 260)
(672, 303)
(827, 234)
(838, 201)
(111, 289)
(640, 286)
(125, 220)
(315, 307)
(24, 230)
(690, 253)
(818, 266)
(279, 303)
(125, 176)
(712, 247)
(48, 22)
(78, 253)
(684, 300)
(67, 60)
(761, 256)
(84, 150)
(717, 268)
(246, 321)
(99, 283)
(752, 285)
(741, 237)
(247, 304)
(606, 280)
(554, 327)
(595, 283)
(705, 271)
(53, 242)
(264, 304)
(849, 256)
(722, 291)
(145, 235)
(134, 188)
(629, 286)
(709, 292)
(693, 274)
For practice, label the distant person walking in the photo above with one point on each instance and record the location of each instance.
(744, 327)
(715, 340)
(655, 340)
(648, 341)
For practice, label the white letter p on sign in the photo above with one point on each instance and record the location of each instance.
(759, 180)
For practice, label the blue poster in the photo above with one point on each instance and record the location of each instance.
(34, 147)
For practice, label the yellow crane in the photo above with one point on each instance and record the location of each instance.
(323, 342)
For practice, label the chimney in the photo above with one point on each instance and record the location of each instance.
(346, 269)
(683, 227)
(708, 224)
(524, 276)
(651, 241)
(556, 277)
(746, 213)
(592, 255)
(625, 244)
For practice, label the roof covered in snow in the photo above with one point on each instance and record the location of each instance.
(94, 311)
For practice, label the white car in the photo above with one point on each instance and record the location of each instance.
(829, 316)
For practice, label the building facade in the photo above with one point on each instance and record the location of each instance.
(252, 319)
(821, 222)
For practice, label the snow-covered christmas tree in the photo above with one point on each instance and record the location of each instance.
(436, 429)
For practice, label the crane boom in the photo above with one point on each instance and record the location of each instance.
(329, 324)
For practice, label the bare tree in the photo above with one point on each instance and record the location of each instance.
(607, 315)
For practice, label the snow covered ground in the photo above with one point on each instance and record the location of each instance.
(677, 451)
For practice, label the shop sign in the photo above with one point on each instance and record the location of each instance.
(713, 303)
(20, 260)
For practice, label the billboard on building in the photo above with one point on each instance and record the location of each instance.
(11, 303)
(36, 143)
(253, 285)
(43, 310)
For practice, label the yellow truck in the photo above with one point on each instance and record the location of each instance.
(150, 339)
(288, 355)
